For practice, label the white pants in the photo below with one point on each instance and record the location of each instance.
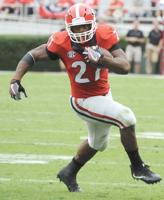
(100, 112)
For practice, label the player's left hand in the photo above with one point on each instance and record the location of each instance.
(15, 89)
(93, 54)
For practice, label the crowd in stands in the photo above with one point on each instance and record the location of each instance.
(17, 7)
(116, 9)
(135, 11)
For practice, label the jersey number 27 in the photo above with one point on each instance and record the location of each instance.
(78, 77)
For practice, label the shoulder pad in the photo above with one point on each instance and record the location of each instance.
(106, 36)
(60, 37)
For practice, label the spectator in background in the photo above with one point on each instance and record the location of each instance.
(138, 8)
(65, 3)
(116, 9)
(160, 10)
(59, 5)
(94, 4)
(54, 9)
(9, 7)
(153, 48)
(135, 39)
(162, 54)
(154, 5)
(27, 7)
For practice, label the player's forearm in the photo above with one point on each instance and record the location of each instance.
(27, 61)
(118, 65)
(21, 69)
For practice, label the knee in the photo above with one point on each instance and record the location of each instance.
(128, 117)
(99, 145)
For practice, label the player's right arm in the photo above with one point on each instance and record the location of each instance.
(30, 58)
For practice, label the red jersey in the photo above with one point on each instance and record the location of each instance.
(86, 80)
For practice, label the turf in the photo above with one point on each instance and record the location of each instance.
(44, 124)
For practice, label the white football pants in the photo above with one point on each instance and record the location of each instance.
(100, 112)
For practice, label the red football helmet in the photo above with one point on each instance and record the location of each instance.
(80, 14)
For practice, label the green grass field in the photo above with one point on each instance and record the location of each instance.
(37, 132)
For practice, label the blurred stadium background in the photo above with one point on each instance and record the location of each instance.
(38, 135)
(44, 16)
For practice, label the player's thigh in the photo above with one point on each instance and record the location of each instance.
(105, 110)
(98, 131)
(111, 111)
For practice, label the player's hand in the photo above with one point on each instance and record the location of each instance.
(15, 89)
(93, 54)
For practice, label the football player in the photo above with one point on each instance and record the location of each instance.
(89, 52)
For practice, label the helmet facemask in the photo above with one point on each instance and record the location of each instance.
(83, 36)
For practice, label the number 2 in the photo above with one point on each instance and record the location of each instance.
(78, 77)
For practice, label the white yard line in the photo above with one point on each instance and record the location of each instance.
(39, 143)
(20, 158)
(47, 181)
(30, 158)
(144, 135)
(44, 130)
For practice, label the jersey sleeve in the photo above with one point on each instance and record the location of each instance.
(107, 36)
(51, 44)
(56, 43)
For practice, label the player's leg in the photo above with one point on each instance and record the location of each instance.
(126, 118)
(139, 170)
(104, 109)
(69, 173)
(97, 141)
